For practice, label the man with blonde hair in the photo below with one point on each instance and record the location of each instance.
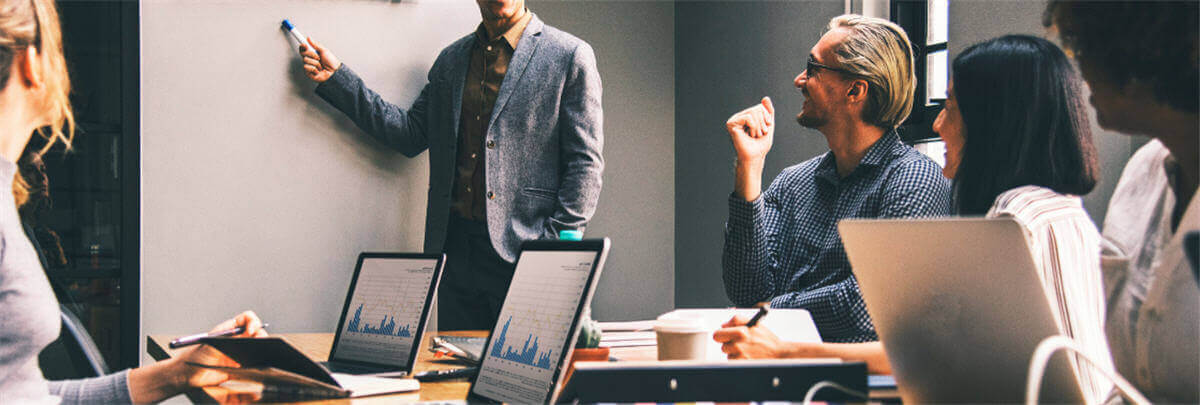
(782, 244)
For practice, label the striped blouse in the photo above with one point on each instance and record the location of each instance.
(1066, 248)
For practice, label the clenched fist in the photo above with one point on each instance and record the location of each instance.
(752, 131)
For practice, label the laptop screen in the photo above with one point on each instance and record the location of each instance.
(539, 314)
(385, 309)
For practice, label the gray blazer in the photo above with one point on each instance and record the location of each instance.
(543, 141)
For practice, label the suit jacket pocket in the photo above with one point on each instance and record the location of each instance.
(531, 212)
(540, 193)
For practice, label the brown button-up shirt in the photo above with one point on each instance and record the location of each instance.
(489, 63)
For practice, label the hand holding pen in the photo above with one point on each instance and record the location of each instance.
(762, 311)
(740, 339)
(319, 63)
(245, 324)
(181, 373)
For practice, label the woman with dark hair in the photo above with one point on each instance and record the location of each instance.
(1018, 145)
(1140, 59)
(1033, 134)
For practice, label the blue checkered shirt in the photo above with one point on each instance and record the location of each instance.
(784, 247)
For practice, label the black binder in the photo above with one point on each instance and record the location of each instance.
(733, 381)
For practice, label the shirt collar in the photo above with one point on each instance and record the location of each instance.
(887, 147)
(512, 36)
(827, 169)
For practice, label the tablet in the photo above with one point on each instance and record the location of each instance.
(552, 286)
(385, 313)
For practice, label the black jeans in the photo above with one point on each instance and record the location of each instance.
(475, 280)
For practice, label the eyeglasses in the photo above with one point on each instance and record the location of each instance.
(814, 67)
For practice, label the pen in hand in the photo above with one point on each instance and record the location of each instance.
(762, 311)
(193, 339)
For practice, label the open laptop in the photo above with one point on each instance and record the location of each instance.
(959, 307)
(523, 360)
(386, 311)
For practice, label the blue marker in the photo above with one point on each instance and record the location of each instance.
(295, 33)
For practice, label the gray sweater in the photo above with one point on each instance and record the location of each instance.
(29, 321)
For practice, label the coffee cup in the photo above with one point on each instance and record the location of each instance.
(682, 337)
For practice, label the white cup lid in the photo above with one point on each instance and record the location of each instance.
(675, 323)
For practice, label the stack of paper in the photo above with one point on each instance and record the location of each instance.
(630, 326)
(627, 339)
(627, 334)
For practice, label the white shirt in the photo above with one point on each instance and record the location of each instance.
(1153, 298)
(1066, 248)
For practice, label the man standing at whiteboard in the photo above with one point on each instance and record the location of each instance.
(512, 120)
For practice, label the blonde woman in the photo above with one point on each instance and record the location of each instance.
(33, 94)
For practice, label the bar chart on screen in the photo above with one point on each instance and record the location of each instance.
(388, 299)
(386, 326)
(527, 353)
(534, 325)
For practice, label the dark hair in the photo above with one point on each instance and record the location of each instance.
(1152, 42)
(1025, 122)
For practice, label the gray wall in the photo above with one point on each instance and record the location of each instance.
(635, 53)
(258, 195)
(728, 56)
(976, 21)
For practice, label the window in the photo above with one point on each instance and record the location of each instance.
(88, 232)
(927, 24)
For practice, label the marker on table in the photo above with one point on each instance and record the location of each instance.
(287, 25)
(193, 339)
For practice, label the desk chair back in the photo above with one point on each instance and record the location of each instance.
(74, 355)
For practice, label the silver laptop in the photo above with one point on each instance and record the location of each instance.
(386, 313)
(959, 307)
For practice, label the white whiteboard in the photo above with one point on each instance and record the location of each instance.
(255, 193)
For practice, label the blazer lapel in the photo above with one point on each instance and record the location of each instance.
(458, 78)
(516, 67)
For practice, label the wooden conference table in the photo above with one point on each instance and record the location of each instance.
(317, 345)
